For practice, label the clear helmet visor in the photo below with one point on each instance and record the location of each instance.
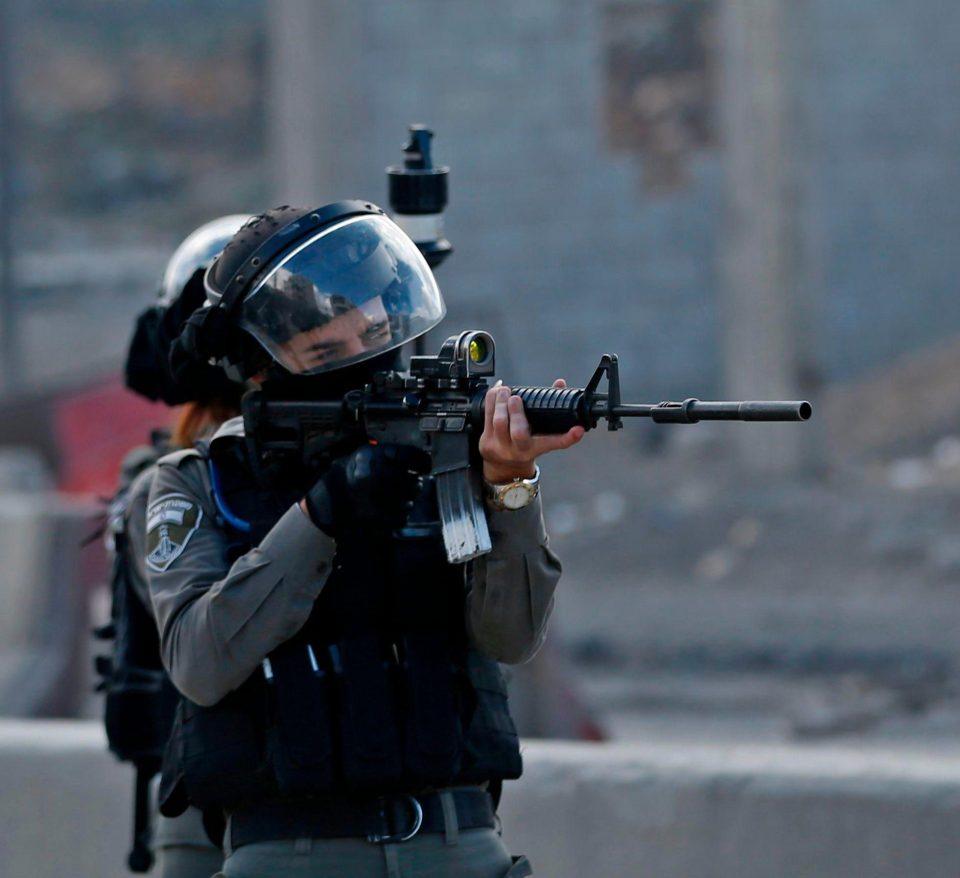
(354, 290)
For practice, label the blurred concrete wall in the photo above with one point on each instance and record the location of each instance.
(614, 811)
(586, 191)
(564, 249)
(558, 249)
(44, 591)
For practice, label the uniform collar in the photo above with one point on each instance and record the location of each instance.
(230, 429)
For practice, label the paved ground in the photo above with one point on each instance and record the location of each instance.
(698, 605)
(674, 558)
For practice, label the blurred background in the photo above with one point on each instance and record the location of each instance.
(741, 198)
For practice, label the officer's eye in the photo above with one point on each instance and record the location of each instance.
(377, 331)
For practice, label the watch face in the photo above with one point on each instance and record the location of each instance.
(516, 496)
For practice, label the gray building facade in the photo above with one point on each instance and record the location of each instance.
(587, 205)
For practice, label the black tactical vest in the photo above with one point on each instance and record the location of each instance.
(140, 699)
(378, 692)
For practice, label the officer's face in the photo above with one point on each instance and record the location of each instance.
(358, 331)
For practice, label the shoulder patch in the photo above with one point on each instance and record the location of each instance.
(171, 521)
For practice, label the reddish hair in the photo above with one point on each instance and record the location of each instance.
(197, 419)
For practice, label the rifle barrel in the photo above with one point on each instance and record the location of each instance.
(692, 410)
(557, 409)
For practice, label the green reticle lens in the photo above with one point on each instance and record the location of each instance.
(478, 350)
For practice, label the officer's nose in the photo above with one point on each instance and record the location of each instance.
(354, 346)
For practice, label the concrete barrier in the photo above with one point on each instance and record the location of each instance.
(610, 810)
(662, 811)
(65, 803)
(45, 581)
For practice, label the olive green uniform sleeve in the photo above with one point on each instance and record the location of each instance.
(510, 590)
(218, 620)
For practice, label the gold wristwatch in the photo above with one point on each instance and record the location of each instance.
(513, 495)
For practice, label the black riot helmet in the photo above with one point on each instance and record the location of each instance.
(315, 291)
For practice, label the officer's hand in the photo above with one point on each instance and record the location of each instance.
(374, 484)
(506, 446)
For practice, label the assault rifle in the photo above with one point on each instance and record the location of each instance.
(438, 406)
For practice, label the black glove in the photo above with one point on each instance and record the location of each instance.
(375, 485)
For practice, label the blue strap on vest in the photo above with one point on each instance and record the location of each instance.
(229, 517)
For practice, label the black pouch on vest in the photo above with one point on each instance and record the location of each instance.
(301, 736)
(432, 738)
(173, 799)
(369, 738)
(139, 711)
(224, 750)
(491, 747)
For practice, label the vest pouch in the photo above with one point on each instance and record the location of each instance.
(224, 752)
(369, 737)
(491, 746)
(172, 796)
(300, 739)
(432, 737)
(138, 713)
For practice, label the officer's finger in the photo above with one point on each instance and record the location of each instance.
(544, 444)
(501, 416)
(489, 405)
(559, 383)
(519, 426)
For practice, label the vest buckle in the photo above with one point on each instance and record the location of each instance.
(416, 811)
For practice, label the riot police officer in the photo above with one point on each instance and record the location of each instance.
(342, 698)
(140, 700)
